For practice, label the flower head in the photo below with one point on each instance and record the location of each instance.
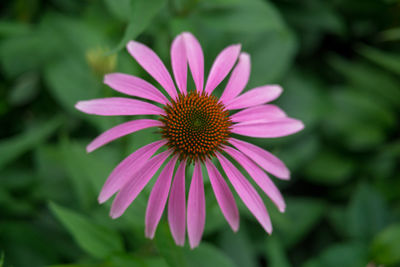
(195, 128)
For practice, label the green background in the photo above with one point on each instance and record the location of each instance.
(338, 62)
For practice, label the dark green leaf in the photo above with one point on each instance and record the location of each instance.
(13, 147)
(96, 240)
(142, 14)
(390, 61)
(366, 213)
(386, 246)
(344, 255)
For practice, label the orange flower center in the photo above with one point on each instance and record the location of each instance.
(196, 125)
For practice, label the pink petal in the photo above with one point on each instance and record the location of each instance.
(278, 128)
(195, 58)
(128, 167)
(256, 96)
(176, 206)
(238, 80)
(263, 158)
(121, 130)
(222, 66)
(259, 113)
(158, 198)
(134, 86)
(196, 211)
(224, 196)
(136, 184)
(179, 63)
(259, 176)
(114, 106)
(153, 65)
(247, 193)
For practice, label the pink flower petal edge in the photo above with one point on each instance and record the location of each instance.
(158, 198)
(222, 66)
(238, 80)
(153, 65)
(121, 130)
(224, 196)
(247, 193)
(264, 113)
(195, 59)
(177, 206)
(128, 167)
(196, 210)
(134, 86)
(259, 176)
(271, 129)
(136, 184)
(263, 158)
(256, 96)
(118, 106)
(179, 63)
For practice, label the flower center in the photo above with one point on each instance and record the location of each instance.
(196, 125)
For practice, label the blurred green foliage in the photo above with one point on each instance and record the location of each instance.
(339, 63)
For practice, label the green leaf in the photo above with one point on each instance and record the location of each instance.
(25, 89)
(69, 81)
(203, 255)
(344, 255)
(329, 168)
(96, 240)
(87, 172)
(367, 78)
(387, 60)
(119, 8)
(366, 214)
(142, 14)
(386, 246)
(249, 16)
(13, 147)
(2, 259)
(304, 98)
(301, 215)
(239, 247)
(9, 28)
(275, 252)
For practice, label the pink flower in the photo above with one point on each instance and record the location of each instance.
(195, 127)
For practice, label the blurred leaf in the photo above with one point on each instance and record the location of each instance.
(243, 16)
(367, 78)
(298, 154)
(17, 56)
(392, 34)
(387, 60)
(357, 120)
(301, 215)
(204, 255)
(25, 89)
(271, 53)
(2, 259)
(119, 8)
(69, 81)
(142, 14)
(275, 252)
(304, 98)
(329, 168)
(366, 214)
(10, 28)
(386, 246)
(96, 240)
(344, 255)
(239, 247)
(13, 147)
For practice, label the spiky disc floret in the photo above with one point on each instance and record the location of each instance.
(196, 126)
